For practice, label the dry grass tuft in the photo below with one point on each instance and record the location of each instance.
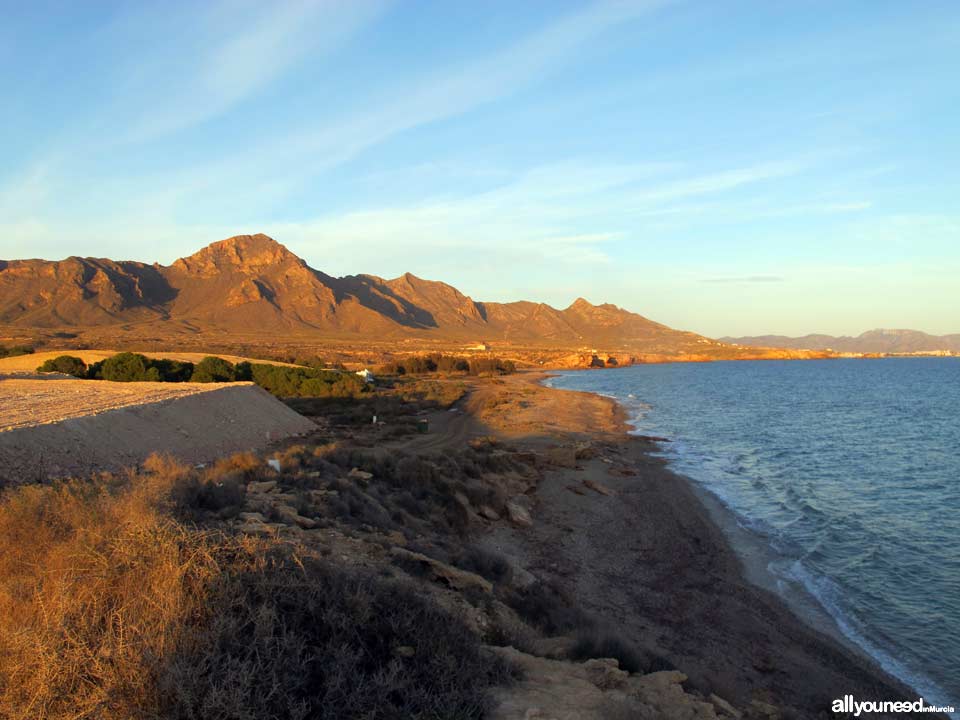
(110, 609)
(95, 588)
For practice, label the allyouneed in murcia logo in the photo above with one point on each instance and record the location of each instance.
(847, 704)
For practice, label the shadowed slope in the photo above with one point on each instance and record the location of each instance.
(251, 284)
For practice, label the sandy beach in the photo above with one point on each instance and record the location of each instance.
(637, 548)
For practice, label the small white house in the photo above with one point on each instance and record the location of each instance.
(366, 375)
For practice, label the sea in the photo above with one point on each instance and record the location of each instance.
(848, 471)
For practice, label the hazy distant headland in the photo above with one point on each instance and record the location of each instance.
(893, 342)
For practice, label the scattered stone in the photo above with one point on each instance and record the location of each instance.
(261, 487)
(598, 487)
(361, 475)
(316, 497)
(594, 690)
(442, 573)
(404, 651)
(725, 708)
(489, 513)
(252, 517)
(290, 516)
(605, 673)
(518, 514)
(585, 451)
(565, 457)
(759, 710)
(259, 529)
(554, 648)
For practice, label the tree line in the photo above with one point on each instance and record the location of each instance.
(279, 380)
(437, 362)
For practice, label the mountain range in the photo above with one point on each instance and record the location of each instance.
(872, 341)
(251, 285)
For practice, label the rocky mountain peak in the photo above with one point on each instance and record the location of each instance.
(248, 254)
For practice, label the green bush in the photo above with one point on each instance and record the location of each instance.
(289, 382)
(173, 370)
(134, 367)
(244, 371)
(66, 364)
(422, 364)
(126, 367)
(214, 369)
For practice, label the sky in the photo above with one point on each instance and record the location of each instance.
(731, 168)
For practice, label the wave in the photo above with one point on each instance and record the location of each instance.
(709, 472)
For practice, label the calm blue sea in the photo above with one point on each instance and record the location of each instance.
(850, 469)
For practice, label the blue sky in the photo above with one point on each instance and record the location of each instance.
(727, 168)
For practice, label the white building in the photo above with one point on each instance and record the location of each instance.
(366, 375)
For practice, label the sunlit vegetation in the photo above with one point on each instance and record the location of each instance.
(114, 606)
(281, 380)
(448, 364)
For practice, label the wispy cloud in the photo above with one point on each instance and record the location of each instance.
(232, 61)
(421, 100)
(745, 279)
(720, 182)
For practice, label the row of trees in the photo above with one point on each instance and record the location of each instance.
(284, 381)
(436, 362)
(280, 380)
(134, 367)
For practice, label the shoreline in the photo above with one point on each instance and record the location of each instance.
(686, 580)
(756, 555)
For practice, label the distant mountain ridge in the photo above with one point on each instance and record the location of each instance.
(872, 341)
(251, 284)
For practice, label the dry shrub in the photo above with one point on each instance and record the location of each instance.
(110, 610)
(298, 638)
(94, 592)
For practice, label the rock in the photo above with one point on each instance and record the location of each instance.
(275, 464)
(518, 514)
(598, 487)
(397, 538)
(665, 690)
(252, 517)
(725, 708)
(561, 457)
(316, 497)
(585, 451)
(489, 513)
(261, 487)
(290, 516)
(259, 529)
(559, 690)
(442, 573)
(362, 475)
(759, 710)
(305, 522)
(605, 673)
(404, 651)
(554, 648)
